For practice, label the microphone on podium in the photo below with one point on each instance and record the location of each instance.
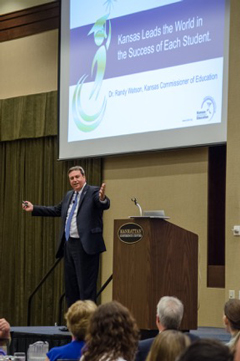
(138, 205)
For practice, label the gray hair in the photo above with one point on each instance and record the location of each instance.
(76, 167)
(170, 312)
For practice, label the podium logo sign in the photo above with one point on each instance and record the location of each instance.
(130, 233)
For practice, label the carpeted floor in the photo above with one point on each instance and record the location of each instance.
(212, 332)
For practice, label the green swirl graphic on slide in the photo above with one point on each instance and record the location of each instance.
(84, 121)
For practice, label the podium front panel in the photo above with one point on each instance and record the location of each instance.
(163, 262)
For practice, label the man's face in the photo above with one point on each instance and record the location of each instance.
(76, 180)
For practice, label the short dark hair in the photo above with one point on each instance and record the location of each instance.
(207, 350)
(77, 167)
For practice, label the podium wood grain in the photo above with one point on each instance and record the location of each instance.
(164, 262)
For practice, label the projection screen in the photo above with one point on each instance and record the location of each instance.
(142, 75)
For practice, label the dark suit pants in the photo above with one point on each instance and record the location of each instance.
(81, 272)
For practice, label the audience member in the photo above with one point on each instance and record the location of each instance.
(231, 320)
(169, 317)
(168, 345)
(237, 352)
(207, 350)
(4, 335)
(77, 316)
(112, 334)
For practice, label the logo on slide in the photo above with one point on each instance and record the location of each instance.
(85, 120)
(208, 109)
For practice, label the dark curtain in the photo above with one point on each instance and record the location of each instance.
(30, 171)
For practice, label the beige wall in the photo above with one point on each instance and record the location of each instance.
(8, 6)
(175, 181)
(29, 65)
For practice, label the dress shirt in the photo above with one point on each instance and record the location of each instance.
(73, 227)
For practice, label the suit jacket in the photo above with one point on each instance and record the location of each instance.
(145, 345)
(89, 219)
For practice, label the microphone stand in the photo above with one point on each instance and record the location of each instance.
(138, 205)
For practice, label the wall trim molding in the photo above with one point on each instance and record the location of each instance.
(30, 21)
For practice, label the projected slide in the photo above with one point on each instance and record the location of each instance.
(143, 67)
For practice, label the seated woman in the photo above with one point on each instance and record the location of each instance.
(112, 334)
(231, 320)
(168, 346)
(77, 316)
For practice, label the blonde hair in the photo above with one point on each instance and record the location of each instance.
(168, 345)
(78, 316)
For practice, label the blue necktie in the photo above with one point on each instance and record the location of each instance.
(69, 220)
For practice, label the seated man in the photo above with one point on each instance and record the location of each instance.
(169, 317)
(4, 336)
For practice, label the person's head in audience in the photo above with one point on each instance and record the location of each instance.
(112, 334)
(169, 313)
(168, 345)
(207, 350)
(78, 316)
(231, 320)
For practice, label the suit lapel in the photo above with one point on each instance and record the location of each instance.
(70, 195)
(83, 194)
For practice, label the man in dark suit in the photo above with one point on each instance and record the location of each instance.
(169, 317)
(81, 240)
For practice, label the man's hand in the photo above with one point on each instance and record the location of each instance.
(102, 192)
(4, 329)
(27, 206)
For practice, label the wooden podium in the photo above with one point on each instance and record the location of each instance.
(154, 258)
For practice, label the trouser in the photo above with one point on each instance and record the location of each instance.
(81, 272)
